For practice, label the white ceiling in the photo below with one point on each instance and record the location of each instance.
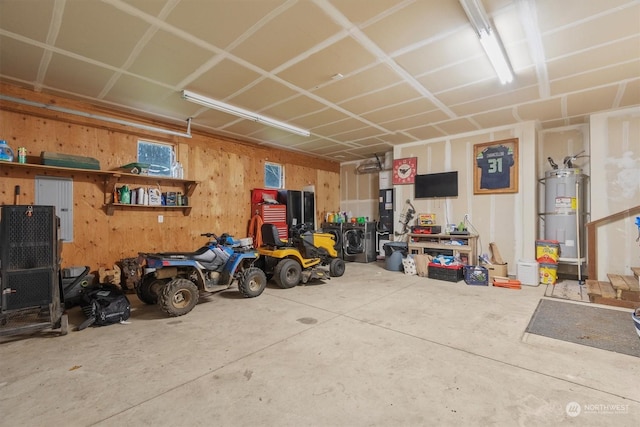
(411, 69)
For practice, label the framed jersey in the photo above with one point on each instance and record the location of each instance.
(496, 168)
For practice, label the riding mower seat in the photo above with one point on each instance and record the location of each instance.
(302, 242)
(271, 237)
(196, 255)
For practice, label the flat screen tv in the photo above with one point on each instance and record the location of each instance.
(432, 185)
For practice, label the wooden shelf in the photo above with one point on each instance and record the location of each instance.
(45, 168)
(423, 243)
(112, 207)
(114, 177)
(111, 179)
(129, 178)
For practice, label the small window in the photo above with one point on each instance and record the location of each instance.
(159, 157)
(273, 175)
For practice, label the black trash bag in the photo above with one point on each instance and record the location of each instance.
(104, 305)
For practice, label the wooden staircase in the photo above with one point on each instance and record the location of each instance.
(619, 291)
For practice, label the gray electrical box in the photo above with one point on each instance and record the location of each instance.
(57, 192)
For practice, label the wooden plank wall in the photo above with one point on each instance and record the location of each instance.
(226, 169)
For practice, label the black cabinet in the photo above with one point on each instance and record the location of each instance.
(29, 237)
(385, 207)
(30, 269)
(28, 288)
(301, 206)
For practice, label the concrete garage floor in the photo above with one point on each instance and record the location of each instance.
(373, 348)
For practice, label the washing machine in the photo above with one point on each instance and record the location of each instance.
(359, 242)
(334, 229)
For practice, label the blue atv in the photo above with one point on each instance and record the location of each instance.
(174, 280)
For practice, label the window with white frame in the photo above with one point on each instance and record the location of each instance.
(159, 157)
(273, 175)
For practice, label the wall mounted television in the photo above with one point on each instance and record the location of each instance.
(433, 185)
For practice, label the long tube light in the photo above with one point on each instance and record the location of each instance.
(489, 39)
(492, 47)
(98, 117)
(241, 112)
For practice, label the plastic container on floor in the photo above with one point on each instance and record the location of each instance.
(528, 273)
(548, 273)
(476, 275)
(393, 262)
(391, 247)
(450, 273)
(547, 250)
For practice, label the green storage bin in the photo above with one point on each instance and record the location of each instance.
(69, 161)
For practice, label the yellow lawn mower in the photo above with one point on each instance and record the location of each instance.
(300, 258)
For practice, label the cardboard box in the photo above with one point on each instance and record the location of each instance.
(170, 198)
(500, 270)
(426, 219)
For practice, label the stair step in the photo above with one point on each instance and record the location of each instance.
(615, 302)
(602, 289)
(593, 287)
(625, 283)
(618, 282)
(630, 296)
(604, 293)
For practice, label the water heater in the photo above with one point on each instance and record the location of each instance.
(565, 210)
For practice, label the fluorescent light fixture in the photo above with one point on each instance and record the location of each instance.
(53, 107)
(489, 39)
(241, 112)
(497, 57)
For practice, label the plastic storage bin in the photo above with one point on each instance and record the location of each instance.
(528, 273)
(547, 251)
(476, 275)
(450, 273)
(548, 273)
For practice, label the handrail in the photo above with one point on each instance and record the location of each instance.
(592, 265)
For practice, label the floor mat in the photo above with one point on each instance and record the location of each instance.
(603, 328)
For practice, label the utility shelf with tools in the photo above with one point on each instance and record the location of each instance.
(116, 178)
(110, 180)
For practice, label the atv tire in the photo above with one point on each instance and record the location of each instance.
(287, 273)
(336, 267)
(252, 282)
(178, 297)
(149, 289)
